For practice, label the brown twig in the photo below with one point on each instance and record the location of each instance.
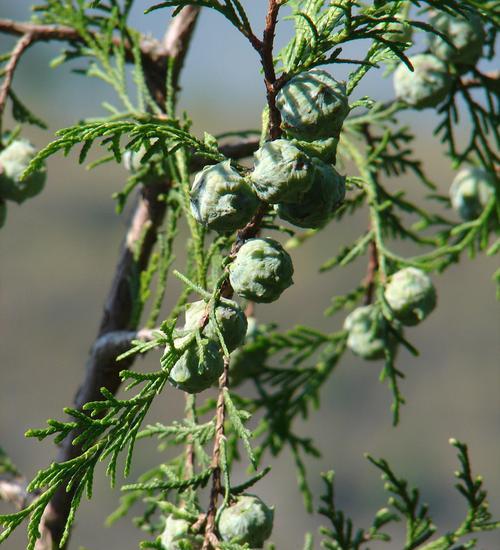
(22, 45)
(373, 266)
(153, 53)
(45, 33)
(118, 311)
(265, 49)
(189, 454)
(250, 309)
(13, 490)
(371, 272)
(268, 67)
(210, 537)
(490, 80)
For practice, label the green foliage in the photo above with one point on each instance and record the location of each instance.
(6, 464)
(404, 506)
(277, 376)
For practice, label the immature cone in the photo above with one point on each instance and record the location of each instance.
(320, 202)
(411, 295)
(426, 86)
(282, 173)
(176, 533)
(247, 521)
(14, 160)
(368, 334)
(313, 105)
(231, 322)
(3, 212)
(471, 191)
(221, 199)
(197, 369)
(261, 271)
(465, 34)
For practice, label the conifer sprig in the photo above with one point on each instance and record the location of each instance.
(287, 369)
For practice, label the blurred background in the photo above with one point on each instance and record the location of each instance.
(57, 257)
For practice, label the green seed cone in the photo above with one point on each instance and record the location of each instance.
(176, 533)
(465, 34)
(368, 336)
(282, 173)
(261, 271)
(195, 371)
(247, 521)
(231, 321)
(426, 86)
(313, 105)
(14, 160)
(471, 191)
(320, 202)
(221, 199)
(411, 295)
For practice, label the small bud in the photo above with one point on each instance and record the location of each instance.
(466, 34)
(3, 212)
(313, 105)
(231, 321)
(411, 295)
(176, 531)
(247, 521)
(282, 173)
(261, 271)
(221, 199)
(471, 191)
(426, 86)
(196, 371)
(14, 160)
(320, 202)
(368, 333)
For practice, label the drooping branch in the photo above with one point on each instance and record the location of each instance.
(150, 48)
(115, 333)
(153, 53)
(102, 369)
